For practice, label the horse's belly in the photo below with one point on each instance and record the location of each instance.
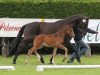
(47, 45)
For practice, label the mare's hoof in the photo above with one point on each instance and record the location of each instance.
(14, 63)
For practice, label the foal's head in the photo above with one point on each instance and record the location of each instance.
(69, 31)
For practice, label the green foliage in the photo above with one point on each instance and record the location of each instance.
(48, 8)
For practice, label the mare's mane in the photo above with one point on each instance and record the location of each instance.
(70, 19)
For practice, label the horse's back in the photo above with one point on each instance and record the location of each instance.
(34, 27)
(31, 27)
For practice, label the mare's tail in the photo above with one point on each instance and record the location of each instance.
(16, 41)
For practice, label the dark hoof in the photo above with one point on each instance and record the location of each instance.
(68, 61)
(26, 63)
(42, 61)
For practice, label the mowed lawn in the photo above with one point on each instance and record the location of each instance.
(23, 69)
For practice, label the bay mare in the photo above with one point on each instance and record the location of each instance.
(54, 40)
(30, 30)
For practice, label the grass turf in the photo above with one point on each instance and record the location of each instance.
(22, 69)
(39, 1)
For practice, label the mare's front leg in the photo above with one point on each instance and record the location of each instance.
(52, 58)
(66, 51)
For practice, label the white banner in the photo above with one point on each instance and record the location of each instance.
(94, 24)
(9, 27)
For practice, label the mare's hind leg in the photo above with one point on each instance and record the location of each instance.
(23, 45)
(52, 58)
(66, 50)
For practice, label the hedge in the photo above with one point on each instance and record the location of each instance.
(49, 9)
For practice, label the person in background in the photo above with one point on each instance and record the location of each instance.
(80, 45)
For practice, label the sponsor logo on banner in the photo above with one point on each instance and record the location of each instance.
(6, 27)
(93, 38)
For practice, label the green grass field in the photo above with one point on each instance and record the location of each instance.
(38, 1)
(22, 69)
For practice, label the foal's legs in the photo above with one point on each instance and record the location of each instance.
(29, 53)
(37, 44)
(53, 55)
(66, 50)
(39, 57)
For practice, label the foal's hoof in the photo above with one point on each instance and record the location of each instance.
(50, 63)
(27, 63)
(42, 61)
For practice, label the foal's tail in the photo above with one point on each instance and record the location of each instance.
(16, 41)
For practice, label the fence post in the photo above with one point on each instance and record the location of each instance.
(5, 48)
(88, 53)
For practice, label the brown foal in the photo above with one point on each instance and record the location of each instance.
(54, 40)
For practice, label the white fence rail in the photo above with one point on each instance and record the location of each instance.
(7, 68)
(42, 67)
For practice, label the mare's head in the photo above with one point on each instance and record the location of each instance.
(80, 22)
(69, 31)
